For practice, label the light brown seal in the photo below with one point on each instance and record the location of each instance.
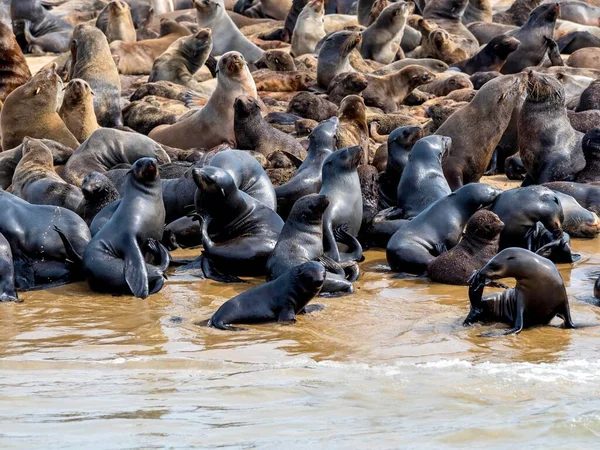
(30, 110)
(309, 29)
(77, 109)
(213, 124)
(118, 25)
(92, 62)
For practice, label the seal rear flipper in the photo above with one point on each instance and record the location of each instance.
(331, 265)
(73, 256)
(564, 312)
(24, 273)
(355, 252)
(329, 244)
(287, 314)
(224, 326)
(212, 273)
(160, 254)
(297, 162)
(136, 273)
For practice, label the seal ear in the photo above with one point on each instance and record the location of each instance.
(502, 96)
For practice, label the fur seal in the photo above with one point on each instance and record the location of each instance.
(37, 29)
(115, 259)
(106, 148)
(346, 84)
(398, 147)
(36, 181)
(585, 57)
(8, 293)
(252, 132)
(276, 301)
(282, 81)
(587, 195)
(301, 241)
(183, 59)
(437, 229)
(478, 245)
(118, 24)
(341, 185)
(491, 108)
(226, 35)
(590, 97)
(446, 83)
(447, 14)
(311, 106)
(39, 254)
(434, 65)
(381, 40)
(15, 71)
(578, 222)
(591, 151)
(438, 43)
(93, 62)
(353, 128)
(533, 38)
(548, 145)
(98, 192)
(539, 295)
(238, 232)
(309, 28)
(577, 40)
(214, 123)
(334, 55)
(517, 14)
(31, 110)
(308, 179)
(492, 57)
(77, 109)
(137, 57)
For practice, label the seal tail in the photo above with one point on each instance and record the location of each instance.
(223, 326)
(72, 255)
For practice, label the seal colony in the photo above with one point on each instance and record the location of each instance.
(285, 149)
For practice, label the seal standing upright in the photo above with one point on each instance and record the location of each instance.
(93, 62)
(77, 109)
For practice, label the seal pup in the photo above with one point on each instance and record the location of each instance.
(36, 181)
(98, 192)
(115, 259)
(490, 58)
(491, 108)
(238, 232)
(381, 40)
(308, 178)
(301, 241)
(537, 298)
(39, 254)
(478, 245)
(14, 67)
(31, 110)
(226, 35)
(309, 29)
(437, 229)
(77, 109)
(334, 55)
(183, 59)
(8, 293)
(548, 145)
(448, 16)
(341, 185)
(214, 123)
(252, 132)
(93, 62)
(276, 301)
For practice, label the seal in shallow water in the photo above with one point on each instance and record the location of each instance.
(539, 295)
(278, 300)
(8, 293)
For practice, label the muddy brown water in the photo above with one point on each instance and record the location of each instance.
(389, 367)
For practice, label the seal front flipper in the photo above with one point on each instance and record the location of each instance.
(564, 312)
(136, 273)
(72, 254)
(160, 254)
(331, 265)
(329, 244)
(223, 326)
(517, 326)
(287, 314)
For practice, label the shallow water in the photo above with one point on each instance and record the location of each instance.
(390, 366)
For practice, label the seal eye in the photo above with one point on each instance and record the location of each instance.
(510, 258)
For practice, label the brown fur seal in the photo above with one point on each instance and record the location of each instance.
(353, 128)
(517, 14)
(438, 43)
(36, 181)
(98, 192)
(277, 61)
(387, 91)
(282, 81)
(183, 59)
(253, 133)
(491, 57)
(13, 66)
(478, 245)
(137, 57)
(92, 62)
(226, 35)
(549, 146)
(77, 109)
(381, 41)
(213, 124)
(491, 110)
(309, 28)
(143, 116)
(30, 110)
(585, 57)
(447, 14)
(118, 25)
(346, 84)
(334, 55)
(311, 106)
(447, 82)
